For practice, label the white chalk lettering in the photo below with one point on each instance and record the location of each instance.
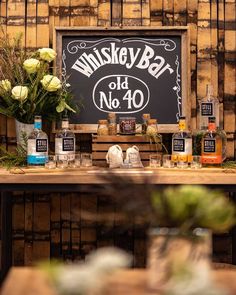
(129, 57)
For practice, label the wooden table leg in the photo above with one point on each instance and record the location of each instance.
(6, 233)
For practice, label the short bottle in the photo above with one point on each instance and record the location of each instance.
(209, 107)
(102, 127)
(112, 125)
(37, 147)
(152, 128)
(182, 143)
(213, 145)
(65, 141)
(145, 118)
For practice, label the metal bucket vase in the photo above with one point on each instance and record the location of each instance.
(22, 130)
(170, 250)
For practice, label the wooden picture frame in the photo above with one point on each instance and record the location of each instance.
(95, 32)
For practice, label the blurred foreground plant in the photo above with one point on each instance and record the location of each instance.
(86, 277)
(185, 207)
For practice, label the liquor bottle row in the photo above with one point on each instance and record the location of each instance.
(37, 148)
(213, 144)
(213, 141)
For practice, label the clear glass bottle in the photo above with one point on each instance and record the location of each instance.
(102, 127)
(152, 128)
(182, 143)
(112, 125)
(212, 145)
(209, 107)
(37, 147)
(65, 141)
(145, 118)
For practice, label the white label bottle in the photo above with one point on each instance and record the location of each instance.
(37, 146)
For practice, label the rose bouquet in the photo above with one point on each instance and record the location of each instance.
(28, 87)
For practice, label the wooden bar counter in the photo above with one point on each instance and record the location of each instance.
(93, 175)
(90, 179)
(133, 282)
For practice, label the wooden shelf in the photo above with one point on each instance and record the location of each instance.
(204, 176)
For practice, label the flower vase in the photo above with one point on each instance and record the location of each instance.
(172, 254)
(23, 130)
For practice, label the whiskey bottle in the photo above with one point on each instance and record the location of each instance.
(212, 145)
(209, 107)
(37, 145)
(182, 143)
(65, 141)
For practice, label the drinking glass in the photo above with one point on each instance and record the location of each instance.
(155, 160)
(75, 161)
(86, 160)
(168, 162)
(50, 162)
(182, 161)
(196, 162)
(62, 161)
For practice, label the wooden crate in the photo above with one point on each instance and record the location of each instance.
(101, 144)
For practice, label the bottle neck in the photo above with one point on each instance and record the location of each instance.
(38, 124)
(65, 124)
(182, 125)
(209, 92)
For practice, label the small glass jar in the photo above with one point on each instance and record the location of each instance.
(127, 125)
(145, 118)
(112, 126)
(102, 127)
(152, 128)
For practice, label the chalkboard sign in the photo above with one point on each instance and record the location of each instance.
(126, 71)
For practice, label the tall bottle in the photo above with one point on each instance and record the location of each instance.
(182, 143)
(209, 107)
(37, 147)
(65, 140)
(213, 145)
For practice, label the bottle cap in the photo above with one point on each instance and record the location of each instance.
(211, 119)
(146, 116)
(111, 115)
(209, 88)
(182, 117)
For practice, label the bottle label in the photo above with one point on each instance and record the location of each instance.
(209, 145)
(41, 145)
(38, 125)
(211, 159)
(36, 159)
(65, 147)
(68, 144)
(207, 109)
(37, 151)
(178, 145)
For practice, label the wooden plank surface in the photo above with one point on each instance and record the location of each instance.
(210, 176)
(29, 281)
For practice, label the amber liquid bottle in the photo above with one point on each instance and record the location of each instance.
(212, 145)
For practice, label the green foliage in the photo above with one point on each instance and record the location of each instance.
(229, 165)
(50, 104)
(188, 207)
(14, 159)
(185, 207)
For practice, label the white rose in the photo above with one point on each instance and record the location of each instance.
(31, 65)
(47, 54)
(51, 83)
(20, 92)
(5, 85)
